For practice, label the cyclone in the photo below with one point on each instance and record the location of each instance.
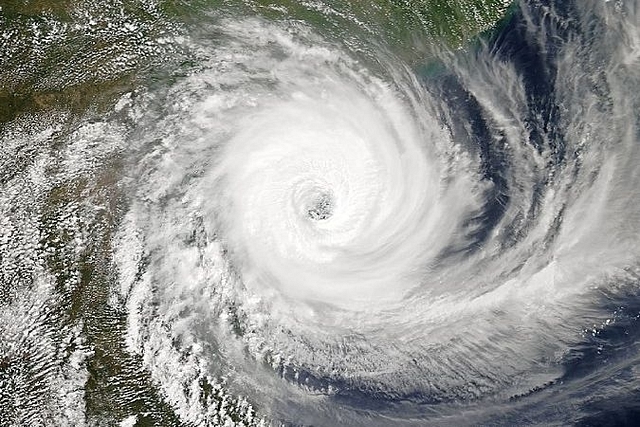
(306, 214)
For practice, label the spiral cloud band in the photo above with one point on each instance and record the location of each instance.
(295, 217)
(326, 194)
(330, 223)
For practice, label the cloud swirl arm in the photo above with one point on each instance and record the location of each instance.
(301, 213)
(355, 235)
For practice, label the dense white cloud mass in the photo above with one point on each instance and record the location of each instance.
(290, 226)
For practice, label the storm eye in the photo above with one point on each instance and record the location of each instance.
(321, 209)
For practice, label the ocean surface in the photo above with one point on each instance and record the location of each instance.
(320, 213)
